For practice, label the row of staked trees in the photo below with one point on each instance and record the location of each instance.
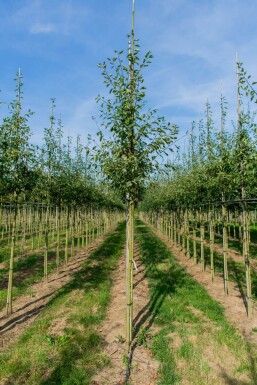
(51, 202)
(58, 172)
(132, 137)
(214, 180)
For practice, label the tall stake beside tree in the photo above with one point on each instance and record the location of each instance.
(223, 197)
(18, 154)
(243, 149)
(137, 137)
(131, 200)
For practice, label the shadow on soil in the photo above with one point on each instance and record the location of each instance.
(166, 277)
(163, 283)
(96, 271)
(90, 278)
(236, 271)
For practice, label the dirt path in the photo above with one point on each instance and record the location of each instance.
(143, 367)
(234, 303)
(27, 307)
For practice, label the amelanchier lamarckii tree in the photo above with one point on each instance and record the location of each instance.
(136, 139)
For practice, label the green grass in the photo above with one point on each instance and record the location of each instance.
(70, 357)
(236, 269)
(193, 329)
(26, 272)
(235, 244)
(30, 268)
(5, 246)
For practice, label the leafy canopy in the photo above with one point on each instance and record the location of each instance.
(138, 137)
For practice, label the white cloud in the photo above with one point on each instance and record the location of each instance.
(194, 44)
(48, 16)
(212, 31)
(38, 28)
(193, 41)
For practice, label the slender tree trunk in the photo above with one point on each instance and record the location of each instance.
(225, 243)
(194, 238)
(72, 233)
(67, 237)
(23, 230)
(246, 258)
(58, 220)
(212, 244)
(10, 280)
(202, 241)
(187, 235)
(129, 264)
(46, 245)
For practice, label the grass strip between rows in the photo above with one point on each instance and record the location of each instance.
(195, 343)
(29, 268)
(63, 346)
(236, 270)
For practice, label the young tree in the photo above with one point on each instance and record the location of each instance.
(16, 153)
(137, 139)
(16, 156)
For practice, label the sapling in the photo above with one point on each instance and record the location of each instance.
(137, 137)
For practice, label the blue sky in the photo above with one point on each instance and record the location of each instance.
(58, 44)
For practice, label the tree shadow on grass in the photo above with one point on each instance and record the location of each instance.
(252, 361)
(236, 271)
(26, 268)
(232, 381)
(21, 318)
(96, 272)
(165, 276)
(165, 279)
(251, 353)
(84, 343)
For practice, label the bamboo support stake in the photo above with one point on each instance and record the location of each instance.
(184, 233)
(171, 228)
(87, 241)
(58, 219)
(129, 264)
(78, 231)
(225, 244)
(246, 258)
(46, 245)
(187, 236)
(212, 244)
(23, 230)
(83, 228)
(194, 238)
(175, 230)
(72, 233)
(179, 230)
(66, 255)
(202, 241)
(10, 280)
(33, 229)
(245, 217)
